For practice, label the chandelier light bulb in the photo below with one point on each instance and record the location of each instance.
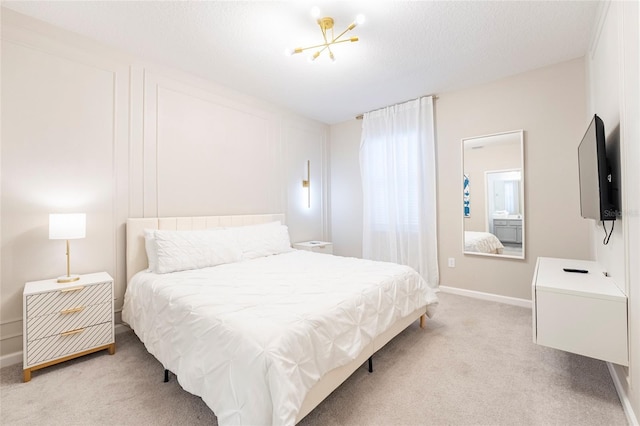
(315, 12)
(288, 51)
(332, 57)
(360, 19)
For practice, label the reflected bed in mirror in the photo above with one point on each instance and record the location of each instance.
(493, 195)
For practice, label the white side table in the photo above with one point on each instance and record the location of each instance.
(583, 313)
(315, 246)
(63, 321)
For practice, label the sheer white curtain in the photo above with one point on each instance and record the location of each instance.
(398, 168)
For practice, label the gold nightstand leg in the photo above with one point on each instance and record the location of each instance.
(26, 375)
(112, 349)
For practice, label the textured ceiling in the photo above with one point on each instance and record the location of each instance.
(406, 48)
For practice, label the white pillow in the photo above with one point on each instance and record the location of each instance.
(182, 250)
(263, 240)
(152, 250)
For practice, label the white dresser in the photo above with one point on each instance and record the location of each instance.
(315, 246)
(580, 313)
(66, 320)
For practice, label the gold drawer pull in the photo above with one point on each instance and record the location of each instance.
(72, 310)
(69, 333)
(66, 290)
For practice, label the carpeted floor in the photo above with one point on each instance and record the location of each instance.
(475, 364)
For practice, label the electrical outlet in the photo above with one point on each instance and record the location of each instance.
(452, 262)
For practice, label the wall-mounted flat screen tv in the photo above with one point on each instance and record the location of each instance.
(596, 195)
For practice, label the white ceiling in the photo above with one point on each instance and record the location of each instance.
(407, 48)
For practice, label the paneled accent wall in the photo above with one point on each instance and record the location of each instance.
(206, 154)
(613, 68)
(90, 129)
(64, 134)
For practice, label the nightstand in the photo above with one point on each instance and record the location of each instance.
(63, 321)
(315, 246)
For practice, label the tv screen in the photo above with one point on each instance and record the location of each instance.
(595, 176)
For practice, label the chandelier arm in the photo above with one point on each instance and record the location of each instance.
(324, 45)
(341, 41)
(313, 47)
(324, 34)
(349, 28)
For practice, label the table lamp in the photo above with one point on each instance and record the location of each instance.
(68, 226)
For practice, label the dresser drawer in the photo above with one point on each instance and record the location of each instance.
(65, 320)
(69, 343)
(67, 298)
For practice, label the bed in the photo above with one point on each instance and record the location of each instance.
(482, 242)
(264, 340)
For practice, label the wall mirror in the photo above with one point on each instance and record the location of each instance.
(493, 195)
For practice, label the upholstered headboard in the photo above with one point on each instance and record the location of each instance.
(136, 254)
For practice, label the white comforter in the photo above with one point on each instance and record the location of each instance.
(251, 338)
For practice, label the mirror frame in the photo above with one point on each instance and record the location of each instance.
(522, 195)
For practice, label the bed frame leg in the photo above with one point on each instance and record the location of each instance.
(423, 321)
(371, 364)
(166, 375)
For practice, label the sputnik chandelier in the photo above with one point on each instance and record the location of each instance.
(326, 26)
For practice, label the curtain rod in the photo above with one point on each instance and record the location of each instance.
(435, 98)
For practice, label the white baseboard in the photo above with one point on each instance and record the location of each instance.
(11, 359)
(16, 357)
(624, 400)
(487, 296)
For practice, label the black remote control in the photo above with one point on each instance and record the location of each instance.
(581, 271)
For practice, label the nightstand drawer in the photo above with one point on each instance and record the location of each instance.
(67, 298)
(69, 319)
(68, 343)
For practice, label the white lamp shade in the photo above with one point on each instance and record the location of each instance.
(67, 226)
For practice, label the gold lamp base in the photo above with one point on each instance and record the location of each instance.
(69, 278)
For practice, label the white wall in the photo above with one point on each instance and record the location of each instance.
(614, 93)
(550, 105)
(90, 129)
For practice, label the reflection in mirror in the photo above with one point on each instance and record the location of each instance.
(493, 195)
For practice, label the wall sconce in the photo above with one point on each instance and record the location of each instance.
(307, 184)
(67, 227)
